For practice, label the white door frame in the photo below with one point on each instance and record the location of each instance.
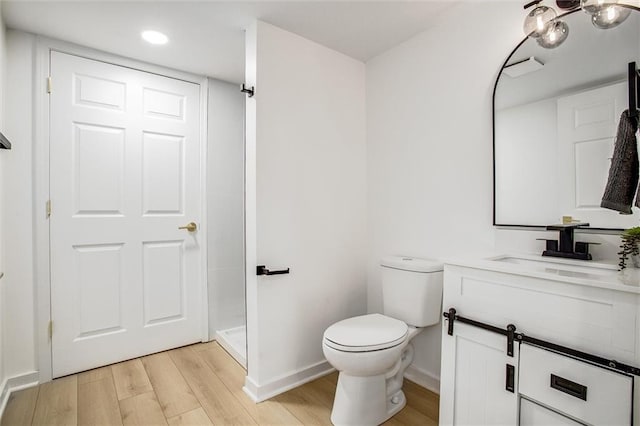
(41, 182)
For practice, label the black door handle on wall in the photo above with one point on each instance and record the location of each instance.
(262, 270)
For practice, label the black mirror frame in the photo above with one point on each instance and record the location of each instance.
(493, 130)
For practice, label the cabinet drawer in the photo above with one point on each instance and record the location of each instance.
(584, 391)
(532, 414)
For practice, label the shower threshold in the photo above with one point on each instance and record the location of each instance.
(234, 341)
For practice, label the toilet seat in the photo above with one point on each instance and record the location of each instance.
(366, 333)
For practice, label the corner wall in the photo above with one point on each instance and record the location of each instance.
(17, 213)
(306, 203)
(17, 341)
(429, 143)
(3, 154)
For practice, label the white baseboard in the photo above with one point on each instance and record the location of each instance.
(259, 393)
(423, 378)
(15, 384)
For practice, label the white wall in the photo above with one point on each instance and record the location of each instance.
(17, 210)
(429, 145)
(306, 205)
(429, 142)
(225, 206)
(3, 184)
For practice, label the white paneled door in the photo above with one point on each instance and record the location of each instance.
(124, 176)
(587, 125)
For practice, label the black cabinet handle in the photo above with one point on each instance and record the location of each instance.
(262, 270)
(510, 378)
(570, 388)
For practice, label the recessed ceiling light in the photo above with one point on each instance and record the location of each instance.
(155, 37)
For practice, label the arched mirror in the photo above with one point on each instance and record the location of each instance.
(555, 117)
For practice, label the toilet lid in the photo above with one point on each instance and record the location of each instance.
(366, 333)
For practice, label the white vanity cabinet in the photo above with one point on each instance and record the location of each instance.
(474, 379)
(598, 317)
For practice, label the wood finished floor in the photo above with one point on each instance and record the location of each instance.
(195, 385)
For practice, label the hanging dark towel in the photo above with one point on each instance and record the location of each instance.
(623, 173)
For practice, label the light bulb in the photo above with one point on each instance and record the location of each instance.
(537, 22)
(610, 16)
(555, 36)
(593, 6)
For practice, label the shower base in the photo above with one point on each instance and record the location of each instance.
(234, 341)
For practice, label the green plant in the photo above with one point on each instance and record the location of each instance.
(630, 245)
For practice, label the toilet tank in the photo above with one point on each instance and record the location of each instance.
(412, 290)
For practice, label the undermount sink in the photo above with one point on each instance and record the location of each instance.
(559, 266)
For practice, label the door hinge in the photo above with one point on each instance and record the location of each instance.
(50, 330)
(48, 84)
(451, 316)
(511, 332)
(48, 207)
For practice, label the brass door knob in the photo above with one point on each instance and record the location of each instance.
(191, 227)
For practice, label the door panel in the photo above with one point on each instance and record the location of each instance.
(99, 92)
(473, 379)
(125, 174)
(98, 169)
(163, 282)
(163, 174)
(163, 105)
(587, 125)
(99, 270)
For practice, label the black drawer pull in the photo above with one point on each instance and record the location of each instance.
(511, 379)
(570, 388)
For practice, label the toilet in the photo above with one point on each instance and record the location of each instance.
(372, 352)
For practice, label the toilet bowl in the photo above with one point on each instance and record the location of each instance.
(366, 345)
(372, 352)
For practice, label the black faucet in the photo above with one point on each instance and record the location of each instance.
(566, 248)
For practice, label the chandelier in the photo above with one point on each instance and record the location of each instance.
(543, 25)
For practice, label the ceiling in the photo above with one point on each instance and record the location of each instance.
(207, 37)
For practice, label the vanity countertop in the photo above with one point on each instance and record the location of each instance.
(600, 274)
